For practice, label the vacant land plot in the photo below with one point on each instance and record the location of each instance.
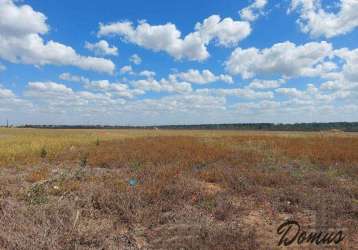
(161, 189)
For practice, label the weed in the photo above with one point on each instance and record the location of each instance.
(84, 159)
(43, 153)
(136, 166)
(38, 175)
(37, 195)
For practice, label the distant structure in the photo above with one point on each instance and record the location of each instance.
(7, 123)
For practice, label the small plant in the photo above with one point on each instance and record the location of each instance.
(38, 175)
(37, 195)
(43, 153)
(136, 166)
(97, 142)
(207, 203)
(84, 160)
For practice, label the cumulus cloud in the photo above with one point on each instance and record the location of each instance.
(48, 89)
(6, 93)
(73, 78)
(118, 89)
(203, 77)
(20, 41)
(257, 108)
(253, 11)
(167, 38)
(343, 82)
(266, 84)
(102, 48)
(105, 86)
(147, 73)
(126, 70)
(286, 59)
(53, 98)
(171, 85)
(313, 94)
(135, 59)
(188, 103)
(10, 102)
(292, 92)
(316, 21)
(244, 93)
(226, 32)
(350, 67)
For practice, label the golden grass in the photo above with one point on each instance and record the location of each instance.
(24, 146)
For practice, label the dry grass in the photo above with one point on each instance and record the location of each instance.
(172, 189)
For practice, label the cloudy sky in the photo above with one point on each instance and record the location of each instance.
(164, 62)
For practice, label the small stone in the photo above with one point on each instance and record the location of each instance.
(133, 182)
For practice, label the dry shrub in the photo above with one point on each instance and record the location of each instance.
(63, 187)
(201, 234)
(185, 151)
(211, 176)
(38, 175)
(288, 199)
(122, 205)
(24, 227)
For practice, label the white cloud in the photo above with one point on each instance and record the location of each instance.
(313, 95)
(245, 93)
(168, 38)
(9, 102)
(266, 84)
(316, 21)
(292, 92)
(350, 68)
(227, 32)
(147, 73)
(20, 41)
(54, 98)
(147, 85)
(73, 78)
(6, 93)
(257, 107)
(158, 38)
(126, 70)
(188, 103)
(170, 85)
(20, 20)
(48, 89)
(253, 11)
(343, 82)
(102, 48)
(118, 89)
(135, 59)
(285, 59)
(203, 77)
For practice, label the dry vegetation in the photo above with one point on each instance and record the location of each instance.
(118, 189)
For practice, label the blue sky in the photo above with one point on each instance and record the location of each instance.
(164, 62)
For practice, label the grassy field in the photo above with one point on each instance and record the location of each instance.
(162, 189)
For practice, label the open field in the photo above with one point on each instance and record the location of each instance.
(166, 189)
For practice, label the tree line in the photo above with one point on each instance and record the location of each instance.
(316, 126)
